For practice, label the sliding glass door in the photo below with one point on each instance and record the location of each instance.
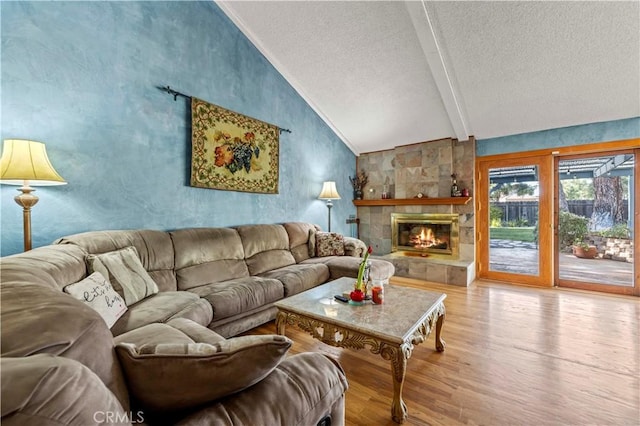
(595, 221)
(568, 217)
(514, 232)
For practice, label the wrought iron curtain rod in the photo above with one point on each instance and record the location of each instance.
(175, 94)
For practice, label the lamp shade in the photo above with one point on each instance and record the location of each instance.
(329, 191)
(24, 160)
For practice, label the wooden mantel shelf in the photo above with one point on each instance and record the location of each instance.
(413, 201)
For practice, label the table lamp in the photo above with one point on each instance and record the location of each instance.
(26, 163)
(329, 192)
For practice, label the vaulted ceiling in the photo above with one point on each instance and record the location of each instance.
(388, 73)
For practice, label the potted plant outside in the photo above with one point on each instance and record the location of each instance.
(584, 250)
(572, 229)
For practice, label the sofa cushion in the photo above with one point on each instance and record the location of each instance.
(153, 334)
(208, 255)
(49, 390)
(238, 324)
(154, 247)
(311, 244)
(98, 294)
(202, 372)
(200, 311)
(235, 297)
(178, 331)
(300, 277)
(197, 332)
(298, 233)
(160, 307)
(266, 247)
(125, 272)
(329, 244)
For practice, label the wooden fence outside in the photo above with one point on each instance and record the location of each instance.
(521, 211)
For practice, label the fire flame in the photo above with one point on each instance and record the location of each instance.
(425, 239)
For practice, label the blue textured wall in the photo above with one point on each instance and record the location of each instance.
(556, 138)
(82, 77)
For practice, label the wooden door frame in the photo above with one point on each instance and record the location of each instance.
(545, 237)
(482, 206)
(634, 289)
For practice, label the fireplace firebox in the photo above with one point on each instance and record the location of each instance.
(425, 233)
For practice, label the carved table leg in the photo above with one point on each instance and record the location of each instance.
(398, 369)
(281, 322)
(440, 344)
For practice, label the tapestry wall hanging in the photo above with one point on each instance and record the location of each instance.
(231, 151)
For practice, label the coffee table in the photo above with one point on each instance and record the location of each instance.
(391, 330)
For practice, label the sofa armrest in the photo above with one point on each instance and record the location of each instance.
(354, 247)
(314, 385)
(44, 389)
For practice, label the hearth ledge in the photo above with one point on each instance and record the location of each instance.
(435, 268)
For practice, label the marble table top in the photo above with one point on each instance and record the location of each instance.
(404, 309)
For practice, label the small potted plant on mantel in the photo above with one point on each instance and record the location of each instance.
(358, 182)
(584, 250)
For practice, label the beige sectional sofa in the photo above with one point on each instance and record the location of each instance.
(213, 284)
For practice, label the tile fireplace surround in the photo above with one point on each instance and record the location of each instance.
(426, 168)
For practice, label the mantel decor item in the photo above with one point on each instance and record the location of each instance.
(329, 192)
(385, 192)
(455, 190)
(26, 163)
(231, 151)
(358, 182)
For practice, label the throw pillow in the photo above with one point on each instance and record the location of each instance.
(167, 377)
(329, 244)
(96, 292)
(125, 272)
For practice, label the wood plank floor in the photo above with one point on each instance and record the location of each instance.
(515, 355)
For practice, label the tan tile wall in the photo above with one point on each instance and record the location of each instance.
(406, 170)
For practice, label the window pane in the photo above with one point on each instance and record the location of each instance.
(513, 220)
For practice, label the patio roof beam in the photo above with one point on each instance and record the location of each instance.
(611, 164)
(513, 179)
(576, 175)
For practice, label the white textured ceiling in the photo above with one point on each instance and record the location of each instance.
(390, 73)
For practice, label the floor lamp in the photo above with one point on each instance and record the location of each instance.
(26, 163)
(329, 192)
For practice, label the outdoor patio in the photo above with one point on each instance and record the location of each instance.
(522, 258)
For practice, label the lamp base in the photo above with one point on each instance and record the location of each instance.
(329, 205)
(26, 200)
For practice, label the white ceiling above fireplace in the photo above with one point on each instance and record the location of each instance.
(389, 73)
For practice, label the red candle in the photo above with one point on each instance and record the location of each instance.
(377, 295)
